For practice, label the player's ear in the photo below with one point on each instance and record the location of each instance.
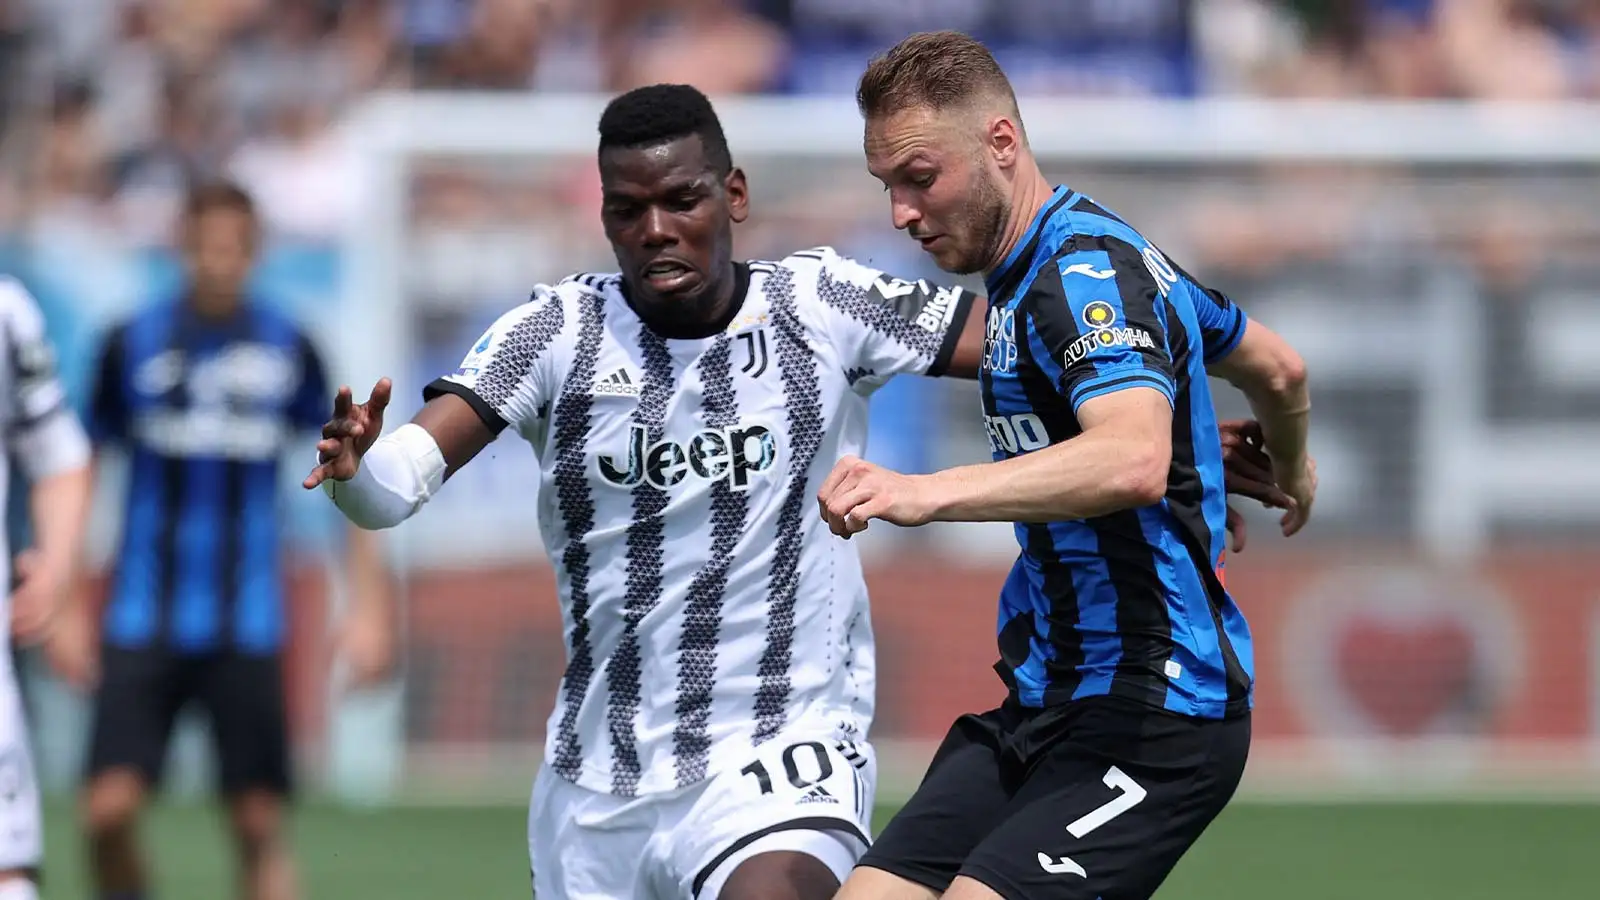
(738, 190)
(1004, 141)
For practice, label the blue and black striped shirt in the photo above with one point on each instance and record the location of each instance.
(206, 410)
(1129, 604)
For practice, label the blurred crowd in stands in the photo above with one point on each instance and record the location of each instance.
(111, 106)
(112, 103)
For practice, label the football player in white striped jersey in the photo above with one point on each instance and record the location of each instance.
(709, 739)
(45, 439)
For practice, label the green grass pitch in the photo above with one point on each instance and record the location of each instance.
(1254, 852)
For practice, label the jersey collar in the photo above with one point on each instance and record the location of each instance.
(1005, 276)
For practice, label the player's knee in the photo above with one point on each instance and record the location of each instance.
(112, 802)
(257, 818)
(780, 875)
(19, 884)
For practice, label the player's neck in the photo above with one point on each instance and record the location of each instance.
(706, 319)
(1031, 194)
(214, 307)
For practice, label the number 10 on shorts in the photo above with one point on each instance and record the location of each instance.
(812, 772)
(1129, 795)
(792, 755)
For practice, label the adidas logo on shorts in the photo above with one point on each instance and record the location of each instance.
(818, 794)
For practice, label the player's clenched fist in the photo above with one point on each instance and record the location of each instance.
(857, 491)
(349, 434)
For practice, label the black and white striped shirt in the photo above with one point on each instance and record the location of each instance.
(705, 603)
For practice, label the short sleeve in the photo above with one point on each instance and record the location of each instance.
(503, 377)
(1097, 324)
(885, 326)
(34, 378)
(44, 434)
(108, 400)
(1222, 323)
(313, 401)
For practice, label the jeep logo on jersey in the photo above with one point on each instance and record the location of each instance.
(711, 454)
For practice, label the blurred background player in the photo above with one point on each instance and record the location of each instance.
(204, 391)
(44, 439)
(1129, 667)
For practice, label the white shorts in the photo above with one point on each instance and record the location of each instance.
(21, 839)
(807, 790)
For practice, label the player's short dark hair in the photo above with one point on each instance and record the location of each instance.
(659, 113)
(207, 196)
(935, 69)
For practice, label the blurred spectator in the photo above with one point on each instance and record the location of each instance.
(301, 170)
(1083, 47)
(497, 49)
(1505, 49)
(717, 45)
(150, 178)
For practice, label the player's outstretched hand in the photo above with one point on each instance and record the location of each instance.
(1246, 469)
(857, 492)
(349, 434)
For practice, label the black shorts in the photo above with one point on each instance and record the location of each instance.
(1092, 800)
(142, 691)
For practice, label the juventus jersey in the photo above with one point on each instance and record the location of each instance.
(42, 436)
(705, 603)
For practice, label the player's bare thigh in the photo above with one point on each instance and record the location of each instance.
(780, 875)
(867, 883)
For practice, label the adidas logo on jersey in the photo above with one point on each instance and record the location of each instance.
(818, 794)
(617, 384)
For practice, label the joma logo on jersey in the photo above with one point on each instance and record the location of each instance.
(735, 454)
(1106, 337)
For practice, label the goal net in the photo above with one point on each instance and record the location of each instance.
(1437, 625)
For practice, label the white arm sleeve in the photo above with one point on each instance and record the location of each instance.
(45, 436)
(396, 478)
(52, 446)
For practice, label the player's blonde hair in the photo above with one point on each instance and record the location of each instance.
(939, 70)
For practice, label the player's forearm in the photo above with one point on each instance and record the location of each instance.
(1091, 475)
(396, 478)
(1282, 404)
(59, 504)
(1272, 376)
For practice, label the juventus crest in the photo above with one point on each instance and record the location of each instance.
(754, 343)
